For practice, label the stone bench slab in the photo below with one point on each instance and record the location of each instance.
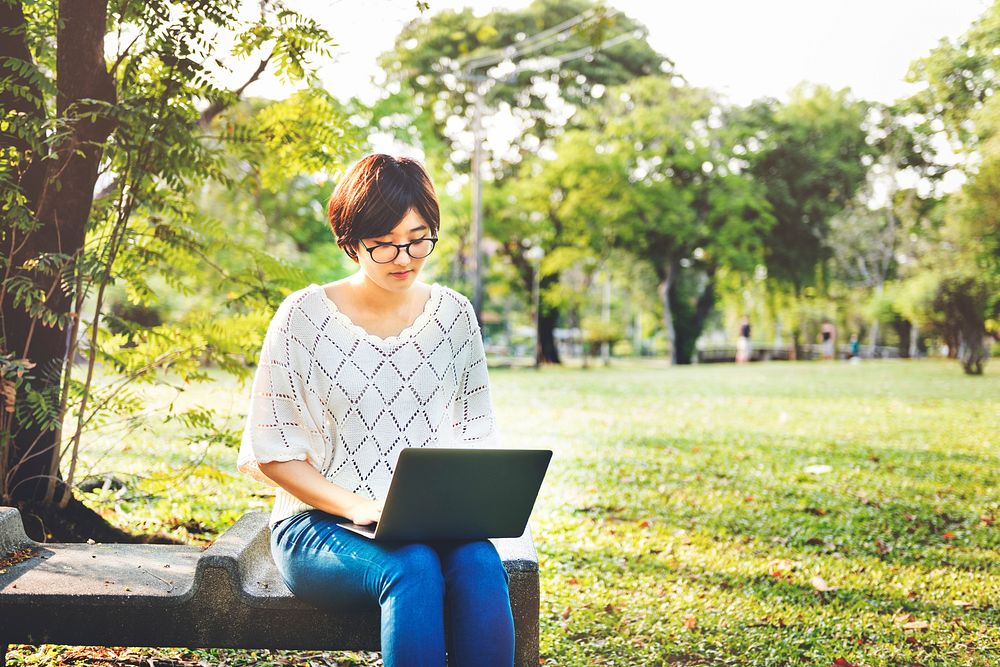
(229, 595)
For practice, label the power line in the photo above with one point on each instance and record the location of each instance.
(472, 62)
(555, 61)
(534, 42)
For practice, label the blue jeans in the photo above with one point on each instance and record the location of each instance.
(417, 586)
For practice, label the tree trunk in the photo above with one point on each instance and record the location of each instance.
(688, 333)
(795, 353)
(973, 351)
(903, 331)
(914, 341)
(873, 339)
(62, 206)
(666, 284)
(952, 340)
(606, 318)
(548, 320)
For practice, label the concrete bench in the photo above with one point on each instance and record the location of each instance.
(228, 595)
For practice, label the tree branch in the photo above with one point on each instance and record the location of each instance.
(218, 106)
(207, 116)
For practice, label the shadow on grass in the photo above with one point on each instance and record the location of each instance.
(851, 510)
(786, 590)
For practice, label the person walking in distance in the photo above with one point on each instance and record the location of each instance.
(828, 340)
(743, 341)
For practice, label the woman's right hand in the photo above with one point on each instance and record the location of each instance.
(307, 484)
(365, 511)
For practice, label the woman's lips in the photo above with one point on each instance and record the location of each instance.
(400, 275)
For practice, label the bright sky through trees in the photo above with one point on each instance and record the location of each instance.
(742, 49)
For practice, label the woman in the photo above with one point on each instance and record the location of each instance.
(349, 374)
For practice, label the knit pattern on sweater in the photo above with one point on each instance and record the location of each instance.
(328, 392)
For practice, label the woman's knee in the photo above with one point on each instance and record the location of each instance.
(415, 564)
(477, 560)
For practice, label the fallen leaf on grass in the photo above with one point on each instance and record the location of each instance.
(962, 603)
(841, 662)
(916, 625)
(819, 583)
(948, 535)
(780, 567)
(881, 547)
(572, 581)
(863, 497)
(566, 612)
(690, 622)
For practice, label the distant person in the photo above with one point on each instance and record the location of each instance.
(743, 342)
(855, 347)
(828, 339)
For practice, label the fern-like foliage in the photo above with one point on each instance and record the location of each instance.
(163, 288)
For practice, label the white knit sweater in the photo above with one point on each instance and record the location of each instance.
(328, 392)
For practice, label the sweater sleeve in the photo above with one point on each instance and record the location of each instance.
(280, 425)
(473, 419)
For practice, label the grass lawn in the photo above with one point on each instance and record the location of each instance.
(769, 514)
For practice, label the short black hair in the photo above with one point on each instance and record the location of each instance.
(375, 195)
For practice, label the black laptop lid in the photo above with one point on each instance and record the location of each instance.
(442, 493)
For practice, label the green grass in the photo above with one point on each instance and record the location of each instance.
(678, 494)
(679, 523)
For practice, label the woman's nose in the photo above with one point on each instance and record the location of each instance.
(403, 258)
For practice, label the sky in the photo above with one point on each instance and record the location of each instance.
(744, 49)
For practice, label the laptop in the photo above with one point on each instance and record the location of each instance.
(439, 493)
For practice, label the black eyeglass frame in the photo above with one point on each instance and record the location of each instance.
(400, 246)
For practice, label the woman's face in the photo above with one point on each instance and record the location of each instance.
(399, 274)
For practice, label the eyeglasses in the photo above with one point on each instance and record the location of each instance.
(383, 253)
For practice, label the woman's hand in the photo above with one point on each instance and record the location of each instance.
(365, 511)
(307, 484)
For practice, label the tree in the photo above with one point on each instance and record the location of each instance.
(960, 80)
(565, 71)
(145, 126)
(866, 237)
(646, 174)
(960, 77)
(810, 156)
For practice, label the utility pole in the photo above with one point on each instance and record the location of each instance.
(469, 66)
(477, 199)
(606, 319)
